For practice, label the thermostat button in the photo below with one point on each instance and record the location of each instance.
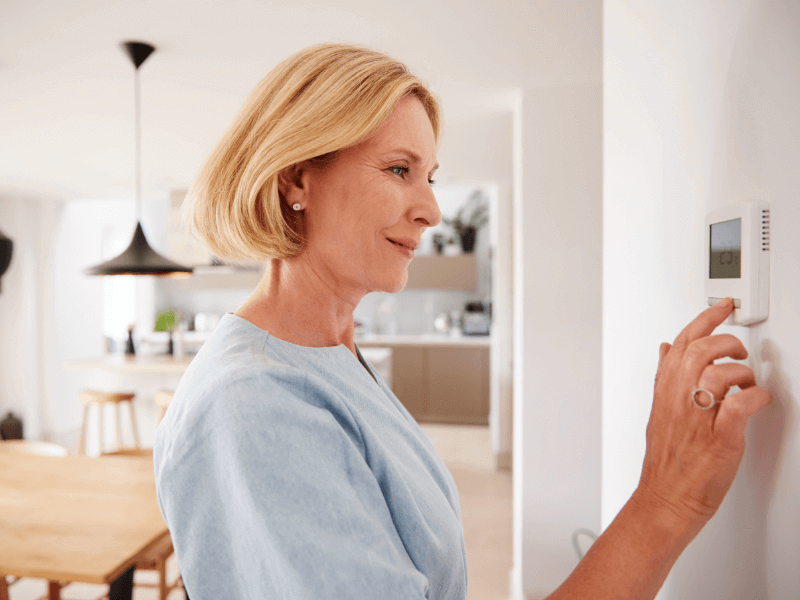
(737, 303)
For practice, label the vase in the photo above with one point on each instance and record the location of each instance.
(130, 350)
(468, 236)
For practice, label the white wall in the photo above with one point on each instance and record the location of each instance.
(558, 314)
(25, 304)
(701, 109)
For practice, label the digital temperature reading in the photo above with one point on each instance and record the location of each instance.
(726, 250)
(737, 260)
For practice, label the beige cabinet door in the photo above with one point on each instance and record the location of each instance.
(409, 378)
(458, 384)
(442, 384)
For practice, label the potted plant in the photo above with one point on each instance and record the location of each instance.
(166, 321)
(439, 242)
(473, 215)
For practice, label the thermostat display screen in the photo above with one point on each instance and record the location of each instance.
(726, 250)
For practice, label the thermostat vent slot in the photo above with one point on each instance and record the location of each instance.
(765, 230)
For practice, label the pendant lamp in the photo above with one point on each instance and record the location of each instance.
(139, 258)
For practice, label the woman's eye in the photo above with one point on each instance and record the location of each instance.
(401, 171)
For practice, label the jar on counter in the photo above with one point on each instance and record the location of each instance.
(11, 428)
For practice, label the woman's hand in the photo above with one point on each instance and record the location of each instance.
(693, 454)
(691, 460)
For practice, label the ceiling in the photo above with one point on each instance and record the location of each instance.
(66, 87)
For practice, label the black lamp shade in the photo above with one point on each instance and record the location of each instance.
(6, 248)
(140, 259)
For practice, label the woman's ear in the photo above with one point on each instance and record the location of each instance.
(291, 184)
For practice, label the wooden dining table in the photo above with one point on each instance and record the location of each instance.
(75, 518)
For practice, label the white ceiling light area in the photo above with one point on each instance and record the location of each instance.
(66, 108)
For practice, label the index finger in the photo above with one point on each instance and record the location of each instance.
(705, 323)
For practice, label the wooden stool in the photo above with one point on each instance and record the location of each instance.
(163, 398)
(100, 399)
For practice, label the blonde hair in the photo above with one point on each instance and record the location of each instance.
(319, 101)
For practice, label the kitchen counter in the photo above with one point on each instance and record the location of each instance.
(167, 364)
(145, 363)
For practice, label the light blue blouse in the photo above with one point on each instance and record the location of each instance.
(289, 472)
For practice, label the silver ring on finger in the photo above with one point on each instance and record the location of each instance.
(700, 406)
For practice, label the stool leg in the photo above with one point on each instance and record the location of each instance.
(133, 424)
(119, 427)
(82, 440)
(163, 590)
(54, 590)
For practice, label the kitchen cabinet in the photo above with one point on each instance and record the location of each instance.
(458, 385)
(446, 382)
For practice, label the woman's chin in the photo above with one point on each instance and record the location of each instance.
(394, 285)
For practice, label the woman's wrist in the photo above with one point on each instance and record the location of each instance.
(675, 527)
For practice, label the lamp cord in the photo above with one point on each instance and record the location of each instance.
(137, 120)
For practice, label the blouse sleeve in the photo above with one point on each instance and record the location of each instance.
(267, 494)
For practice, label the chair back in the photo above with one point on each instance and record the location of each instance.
(32, 447)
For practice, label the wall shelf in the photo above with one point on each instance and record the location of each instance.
(439, 272)
(206, 278)
(425, 272)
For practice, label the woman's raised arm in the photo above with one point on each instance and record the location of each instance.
(693, 452)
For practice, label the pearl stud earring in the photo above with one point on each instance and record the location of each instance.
(296, 206)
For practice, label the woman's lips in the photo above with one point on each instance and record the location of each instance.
(405, 245)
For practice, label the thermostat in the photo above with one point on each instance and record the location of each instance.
(737, 260)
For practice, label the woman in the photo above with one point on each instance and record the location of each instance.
(285, 467)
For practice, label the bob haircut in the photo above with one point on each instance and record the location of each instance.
(321, 100)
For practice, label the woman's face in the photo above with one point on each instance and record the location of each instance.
(364, 213)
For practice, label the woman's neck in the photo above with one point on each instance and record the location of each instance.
(299, 305)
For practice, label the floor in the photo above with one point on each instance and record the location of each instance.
(485, 508)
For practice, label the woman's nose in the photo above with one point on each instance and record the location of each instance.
(426, 209)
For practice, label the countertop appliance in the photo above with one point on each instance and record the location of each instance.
(476, 319)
